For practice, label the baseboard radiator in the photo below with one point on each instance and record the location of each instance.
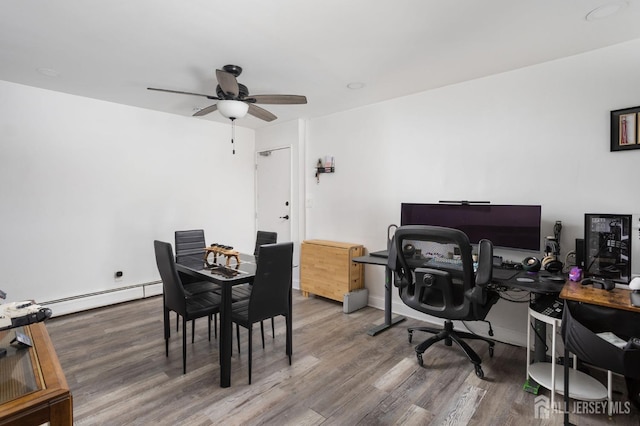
(99, 299)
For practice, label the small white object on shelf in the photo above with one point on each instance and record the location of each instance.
(613, 339)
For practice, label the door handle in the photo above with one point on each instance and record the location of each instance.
(286, 217)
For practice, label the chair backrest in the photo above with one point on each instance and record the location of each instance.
(262, 238)
(190, 246)
(174, 296)
(272, 284)
(438, 287)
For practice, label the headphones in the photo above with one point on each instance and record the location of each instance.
(531, 264)
(551, 263)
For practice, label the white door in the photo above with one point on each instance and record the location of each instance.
(273, 204)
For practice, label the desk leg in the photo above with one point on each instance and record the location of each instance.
(388, 295)
(540, 327)
(539, 351)
(226, 331)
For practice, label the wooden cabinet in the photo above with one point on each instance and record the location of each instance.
(327, 269)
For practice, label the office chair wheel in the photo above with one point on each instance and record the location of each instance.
(410, 336)
(479, 371)
(420, 360)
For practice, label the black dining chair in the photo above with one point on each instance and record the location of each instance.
(189, 307)
(243, 291)
(190, 245)
(262, 238)
(270, 293)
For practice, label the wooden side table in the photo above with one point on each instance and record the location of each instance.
(327, 268)
(33, 389)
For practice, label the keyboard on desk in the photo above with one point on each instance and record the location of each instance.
(444, 262)
(502, 274)
(499, 274)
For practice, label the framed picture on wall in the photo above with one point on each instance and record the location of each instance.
(624, 129)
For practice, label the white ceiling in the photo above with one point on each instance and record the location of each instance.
(114, 49)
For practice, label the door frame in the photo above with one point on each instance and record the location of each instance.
(293, 213)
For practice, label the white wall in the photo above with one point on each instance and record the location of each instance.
(86, 186)
(538, 135)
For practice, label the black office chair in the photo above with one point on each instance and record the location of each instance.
(444, 290)
(189, 307)
(270, 295)
(580, 324)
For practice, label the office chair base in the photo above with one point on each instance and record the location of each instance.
(448, 335)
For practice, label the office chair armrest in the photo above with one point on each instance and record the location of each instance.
(484, 273)
(476, 295)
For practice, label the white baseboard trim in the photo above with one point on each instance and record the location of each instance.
(85, 302)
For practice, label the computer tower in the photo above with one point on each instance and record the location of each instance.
(608, 246)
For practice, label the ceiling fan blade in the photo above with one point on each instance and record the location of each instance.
(207, 110)
(181, 92)
(279, 99)
(261, 113)
(228, 83)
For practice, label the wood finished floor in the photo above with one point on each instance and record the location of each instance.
(115, 364)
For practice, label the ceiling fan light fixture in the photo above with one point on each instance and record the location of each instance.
(233, 109)
(607, 10)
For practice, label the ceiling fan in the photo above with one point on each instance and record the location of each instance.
(234, 100)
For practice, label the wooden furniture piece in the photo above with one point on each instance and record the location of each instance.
(327, 268)
(223, 252)
(618, 298)
(33, 389)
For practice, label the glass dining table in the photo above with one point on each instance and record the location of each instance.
(238, 272)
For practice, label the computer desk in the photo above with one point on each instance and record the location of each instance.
(389, 320)
(618, 298)
(536, 283)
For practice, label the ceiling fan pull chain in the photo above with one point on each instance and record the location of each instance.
(233, 135)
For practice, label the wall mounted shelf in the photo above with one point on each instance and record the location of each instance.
(325, 169)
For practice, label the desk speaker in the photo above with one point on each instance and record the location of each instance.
(531, 264)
